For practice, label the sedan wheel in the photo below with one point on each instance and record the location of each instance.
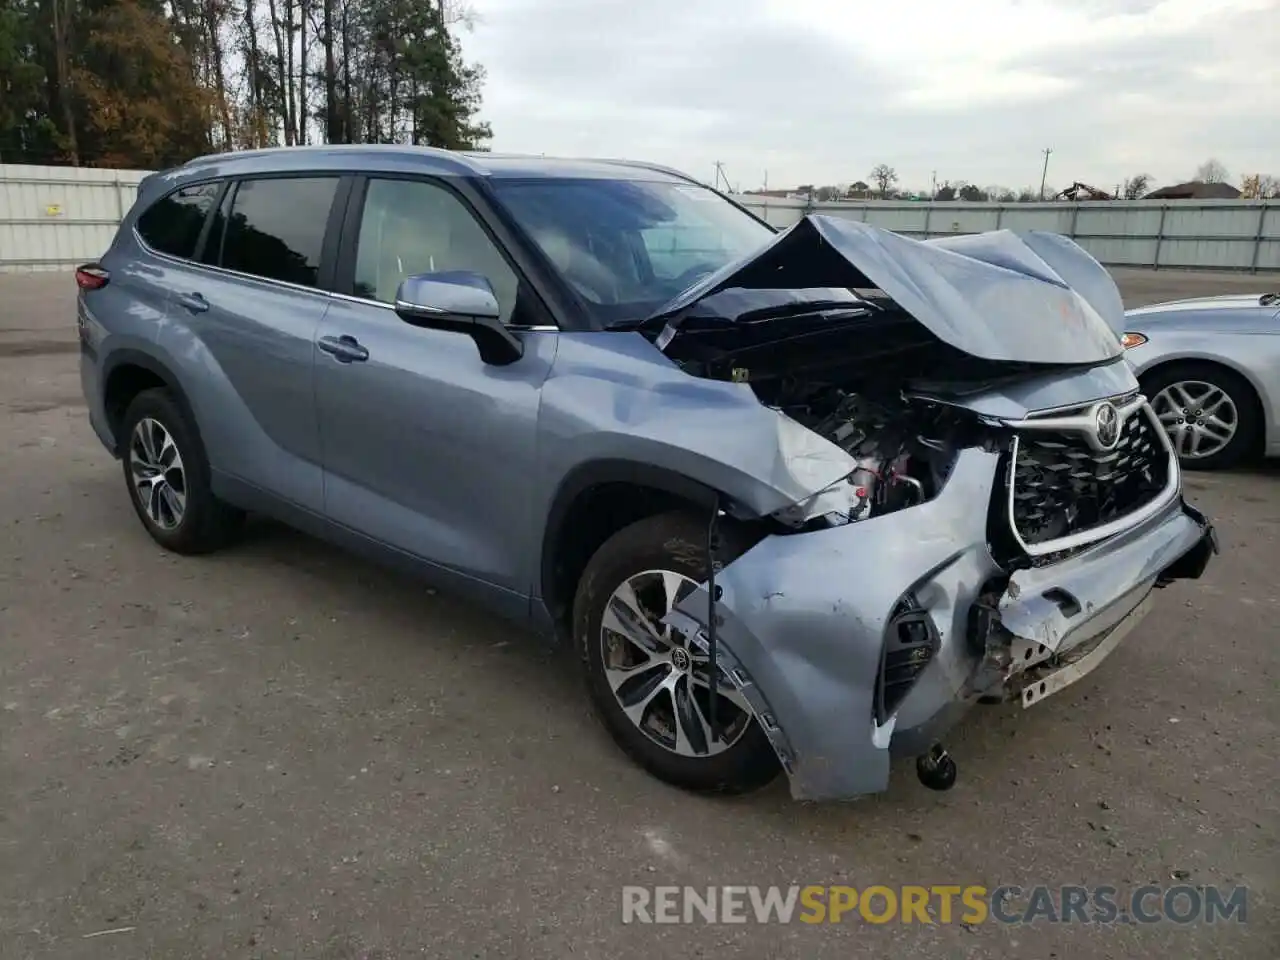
(1200, 418)
(1210, 412)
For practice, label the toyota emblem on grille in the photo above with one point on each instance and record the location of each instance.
(1106, 425)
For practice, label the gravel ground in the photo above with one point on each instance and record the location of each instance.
(282, 751)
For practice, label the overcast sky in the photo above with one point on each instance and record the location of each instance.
(819, 91)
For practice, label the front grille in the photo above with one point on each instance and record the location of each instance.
(1062, 486)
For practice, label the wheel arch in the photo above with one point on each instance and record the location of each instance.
(128, 372)
(593, 502)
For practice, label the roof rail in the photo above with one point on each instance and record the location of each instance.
(461, 159)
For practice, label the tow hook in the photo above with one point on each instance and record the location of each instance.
(936, 769)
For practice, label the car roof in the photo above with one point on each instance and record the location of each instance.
(414, 159)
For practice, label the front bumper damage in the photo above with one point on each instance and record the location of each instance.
(805, 621)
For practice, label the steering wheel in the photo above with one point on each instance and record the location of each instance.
(689, 277)
(599, 289)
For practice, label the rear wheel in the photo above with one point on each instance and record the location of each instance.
(650, 684)
(1209, 412)
(168, 477)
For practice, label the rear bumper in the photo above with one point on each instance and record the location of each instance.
(91, 334)
(91, 386)
(805, 619)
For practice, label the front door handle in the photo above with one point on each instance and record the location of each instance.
(344, 349)
(194, 302)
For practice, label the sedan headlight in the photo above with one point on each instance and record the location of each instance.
(1132, 340)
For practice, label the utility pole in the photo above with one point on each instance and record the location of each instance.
(933, 185)
(1044, 174)
(721, 178)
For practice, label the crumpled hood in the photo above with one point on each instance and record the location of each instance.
(1027, 297)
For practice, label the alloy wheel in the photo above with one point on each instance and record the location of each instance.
(1200, 417)
(155, 465)
(660, 677)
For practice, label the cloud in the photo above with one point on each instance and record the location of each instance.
(822, 90)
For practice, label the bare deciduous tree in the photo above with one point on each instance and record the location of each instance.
(1137, 186)
(884, 177)
(1211, 171)
(1260, 186)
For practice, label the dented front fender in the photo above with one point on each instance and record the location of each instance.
(803, 617)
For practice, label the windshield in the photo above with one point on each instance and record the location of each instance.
(626, 247)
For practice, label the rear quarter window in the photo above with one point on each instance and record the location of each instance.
(173, 223)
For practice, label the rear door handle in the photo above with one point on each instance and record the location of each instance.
(344, 349)
(194, 302)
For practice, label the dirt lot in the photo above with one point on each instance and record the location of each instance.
(281, 751)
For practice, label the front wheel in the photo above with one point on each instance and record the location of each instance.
(650, 684)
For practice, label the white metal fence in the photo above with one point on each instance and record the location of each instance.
(1186, 234)
(54, 217)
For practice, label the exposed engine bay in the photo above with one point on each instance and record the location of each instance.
(904, 449)
(855, 371)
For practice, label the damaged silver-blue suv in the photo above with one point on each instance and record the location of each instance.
(597, 395)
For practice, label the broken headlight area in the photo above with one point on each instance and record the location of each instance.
(901, 451)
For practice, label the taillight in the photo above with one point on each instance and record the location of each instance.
(92, 276)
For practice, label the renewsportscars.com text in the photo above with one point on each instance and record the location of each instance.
(936, 904)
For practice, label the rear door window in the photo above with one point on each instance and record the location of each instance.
(276, 228)
(172, 224)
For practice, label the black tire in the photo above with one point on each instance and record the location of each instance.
(1245, 399)
(206, 523)
(675, 542)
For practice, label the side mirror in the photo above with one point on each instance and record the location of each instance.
(463, 302)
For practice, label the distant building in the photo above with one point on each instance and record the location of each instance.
(1195, 190)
